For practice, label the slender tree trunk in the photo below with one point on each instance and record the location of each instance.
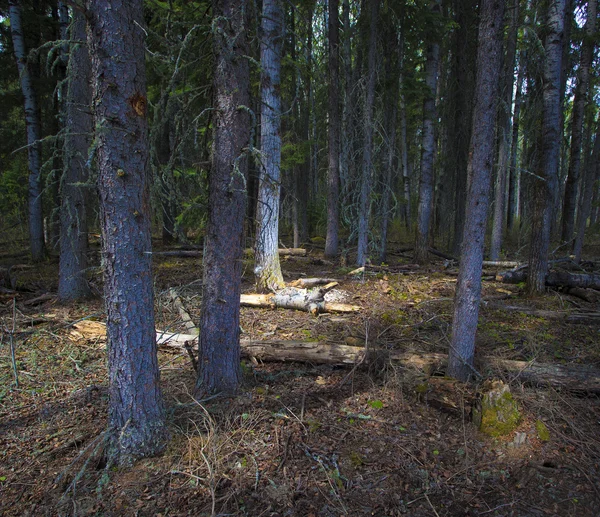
(513, 211)
(346, 129)
(388, 178)
(72, 282)
(34, 133)
(219, 349)
(591, 176)
(367, 162)
(406, 173)
(426, 181)
(504, 133)
(267, 270)
(136, 412)
(544, 199)
(468, 289)
(577, 118)
(333, 175)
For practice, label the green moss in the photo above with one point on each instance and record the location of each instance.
(499, 411)
(542, 431)
(317, 240)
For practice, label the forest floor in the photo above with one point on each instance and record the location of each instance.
(301, 439)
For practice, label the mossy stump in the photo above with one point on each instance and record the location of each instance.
(498, 414)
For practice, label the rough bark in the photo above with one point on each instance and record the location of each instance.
(504, 133)
(268, 270)
(546, 187)
(464, 57)
(72, 282)
(592, 175)
(426, 181)
(219, 349)
(136, 412)
(367, 159)
(554, 279)
(333, 172)
(34, 133)
(468, 289)
(577, 119)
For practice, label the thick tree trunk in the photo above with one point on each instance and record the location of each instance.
(468, 289)
(504, 133)
(34, 134)
(136, 412)
(72, 282)
(546, 187)
(267, 269)
(577, 118)
(219, 350)
(333, 173)
(426, 181)
(367, 160)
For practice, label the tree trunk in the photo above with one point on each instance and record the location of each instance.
(367, 161)
(136, 413)
(333, 174)
(513, 210)
(219, 349)
(592, 175)
(267, 269)
(504, 133)
(463, 70)
(577, 118)
(426, 183)
(546, 188)
(34, 134)
(468, 288)
(72, 282)
(388, 183)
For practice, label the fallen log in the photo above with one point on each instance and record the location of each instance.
(554, 279)
(178, 253)
(589, 295)
(298, 299)
(183, 313)
(283, 252)
(311, 282)
(501, 263)
(577, 378)
(585, 318)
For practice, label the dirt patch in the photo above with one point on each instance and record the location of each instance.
(301, 439)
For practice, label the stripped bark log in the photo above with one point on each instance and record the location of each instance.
(577, 378)
(311, 282)
(183, 313)
(554, 279)
(298, 299)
